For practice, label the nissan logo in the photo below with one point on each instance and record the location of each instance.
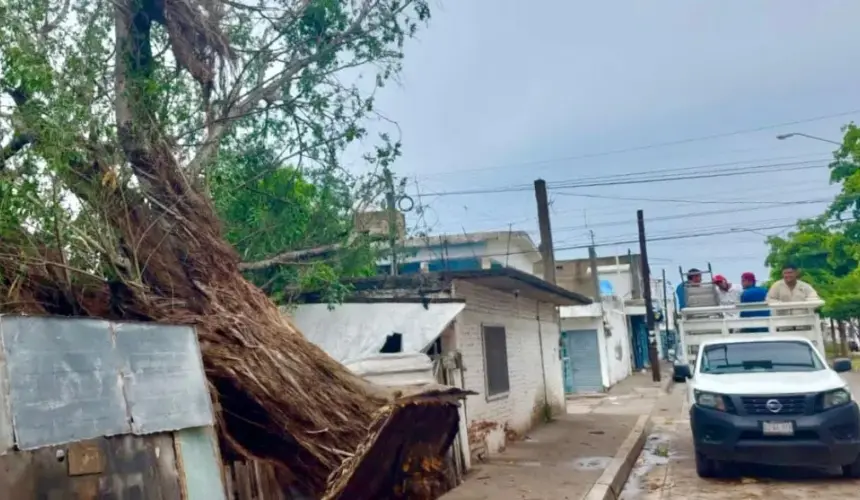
(773, 405)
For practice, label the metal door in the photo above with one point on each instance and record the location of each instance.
(584, 353)
(566, 368)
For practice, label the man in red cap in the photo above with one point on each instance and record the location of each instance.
(729, 294)
(752, 293)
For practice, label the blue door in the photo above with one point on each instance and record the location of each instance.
(584, 354)
(639, 339)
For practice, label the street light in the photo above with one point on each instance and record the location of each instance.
(783, 137)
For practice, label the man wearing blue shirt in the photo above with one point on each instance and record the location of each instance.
(752, 293)
(694, 278)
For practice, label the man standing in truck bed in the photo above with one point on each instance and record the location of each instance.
(694, 278)
(791, 289)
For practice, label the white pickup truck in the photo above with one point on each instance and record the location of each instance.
(761, 391)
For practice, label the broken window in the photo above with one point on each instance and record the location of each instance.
(393, 344)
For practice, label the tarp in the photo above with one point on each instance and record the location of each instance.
(351, 332)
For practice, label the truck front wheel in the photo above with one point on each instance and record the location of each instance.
(852, 470)
(709, 468)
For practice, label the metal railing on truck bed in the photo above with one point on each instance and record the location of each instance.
(698, 325)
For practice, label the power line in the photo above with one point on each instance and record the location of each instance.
(670, 237)
(693, 214)
(615, 210)
(650, 146)
(761, 169)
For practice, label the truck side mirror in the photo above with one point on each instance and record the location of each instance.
(842, 365)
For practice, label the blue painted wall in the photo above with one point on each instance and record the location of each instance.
(441, 264)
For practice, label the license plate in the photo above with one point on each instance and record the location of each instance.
(777, 428)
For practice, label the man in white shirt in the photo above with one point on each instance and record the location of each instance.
(791, 289)
(729, 294)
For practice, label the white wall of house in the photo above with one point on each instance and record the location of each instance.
(517, 254)
(614, 347)
(509, 250)
(523, 406)
(621, 278)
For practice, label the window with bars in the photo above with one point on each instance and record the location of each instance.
(495, 360)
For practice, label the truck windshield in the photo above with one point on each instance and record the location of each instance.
(740, 357)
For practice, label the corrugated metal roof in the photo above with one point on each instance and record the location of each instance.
(350, 332)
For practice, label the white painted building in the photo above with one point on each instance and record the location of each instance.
(598, 345)
(504, 345)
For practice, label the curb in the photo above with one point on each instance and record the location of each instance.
(609, 485)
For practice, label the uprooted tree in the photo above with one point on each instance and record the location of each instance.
(112, 117)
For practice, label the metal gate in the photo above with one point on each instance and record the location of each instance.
(584, 353)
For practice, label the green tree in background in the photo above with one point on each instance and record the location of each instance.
(827, 248)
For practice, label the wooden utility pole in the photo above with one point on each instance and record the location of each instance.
(649, 304)
(665, 307)
(545, 231)
(595, 278)
(391, 206)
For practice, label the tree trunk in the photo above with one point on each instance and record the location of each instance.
(843, 340)
(833, 338)
(278, 397)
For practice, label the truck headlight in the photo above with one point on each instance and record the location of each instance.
(835, 398)
(710, 400)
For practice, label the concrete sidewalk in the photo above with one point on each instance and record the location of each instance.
(557, 461)
(590, 449)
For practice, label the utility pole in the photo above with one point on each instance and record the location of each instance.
(595, 279)
(545, 231)
(649, 305)
(391, 206)
(665, 308)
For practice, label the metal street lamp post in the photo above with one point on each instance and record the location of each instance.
(783, 137)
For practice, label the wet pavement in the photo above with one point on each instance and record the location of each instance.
(563, 459)
(666, 468)
(557, 461)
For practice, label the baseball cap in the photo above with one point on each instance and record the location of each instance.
(719, 278)
(748, 276)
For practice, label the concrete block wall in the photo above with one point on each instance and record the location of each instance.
(491, 422)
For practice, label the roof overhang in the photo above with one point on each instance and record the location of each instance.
(352, 331)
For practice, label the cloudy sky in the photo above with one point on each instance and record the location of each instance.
(497, 93)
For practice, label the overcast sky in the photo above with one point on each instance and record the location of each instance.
(497, 93)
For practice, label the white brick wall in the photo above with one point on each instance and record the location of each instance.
(524, 405)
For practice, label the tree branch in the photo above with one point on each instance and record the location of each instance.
(51, 26)
(210, 145)
(18, 142)
(290, 257)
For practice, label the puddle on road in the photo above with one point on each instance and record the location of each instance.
(657, 452)
(591, 463)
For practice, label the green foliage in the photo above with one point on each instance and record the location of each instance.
(267, 209)
(298, 91)
(827, 248)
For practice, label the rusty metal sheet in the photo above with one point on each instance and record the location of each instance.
(85, 458)
(165, 385)
(133, 467)
(63, 377)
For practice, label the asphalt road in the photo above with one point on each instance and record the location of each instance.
(666, 468)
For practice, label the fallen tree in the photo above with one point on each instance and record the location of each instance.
(105, 211)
